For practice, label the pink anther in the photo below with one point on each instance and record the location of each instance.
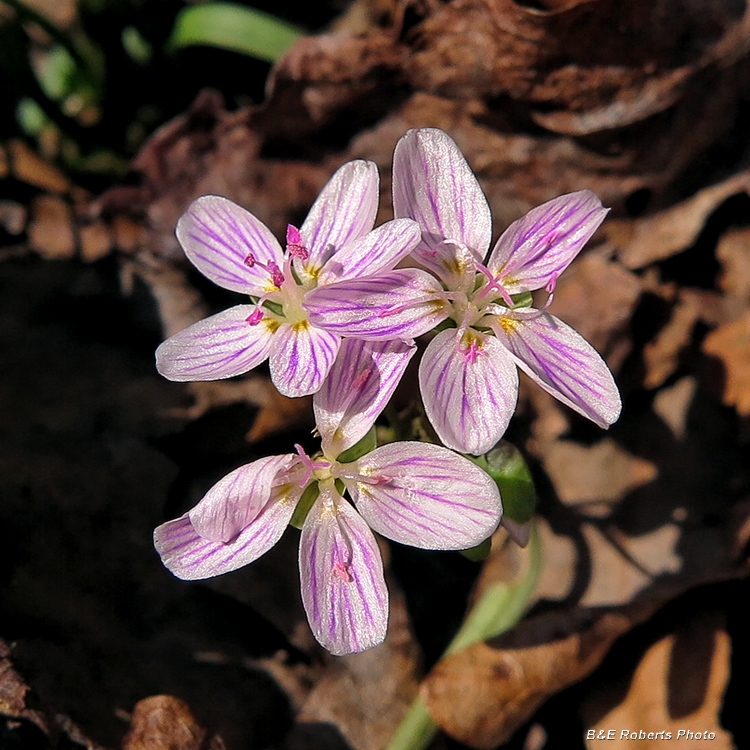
(551, 284)
(255, 317)
(294, 243)
(249, 260)
(276, 276)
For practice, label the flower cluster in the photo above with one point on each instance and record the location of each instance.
(337, 319)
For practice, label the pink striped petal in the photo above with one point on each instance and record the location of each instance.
(217, 236)
(563, 363)
(237, 499)
(343, 588)
(469, 387)
(215, 348)
(301, 357)
(379, 250)
(538, 247)
(402, 304)
(425, 495)
(357, 389)
(433, 184)
(344, 211)
(191, 557)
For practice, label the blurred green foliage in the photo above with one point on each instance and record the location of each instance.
(89, 94)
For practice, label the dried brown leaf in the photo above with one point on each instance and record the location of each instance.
(95, 241)
(12, 216)
(15, 698)
(595, 475)
(731, 344)
(51, 228)
(31, 168)
(12, 688)
(163, 722)
(661, 355)
(482, 694)
(672, 405)
(674, 229)
(733, 251)
(677, 686)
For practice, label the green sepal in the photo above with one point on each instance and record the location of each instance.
(447, 323)
(368, 443)
(524, 299)
(274, 307)
(506, 465)
(309, 496)
(480, 552)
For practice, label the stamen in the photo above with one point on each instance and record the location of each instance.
(276, 276)
(343, 472)
(550, 289)
(551, 284)
(309, 464)
(472, 352)
(493, 284)
(255, 317)
(294, 244)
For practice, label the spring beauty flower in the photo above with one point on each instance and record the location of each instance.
(419, 494)
(336, 243)
(468, 376)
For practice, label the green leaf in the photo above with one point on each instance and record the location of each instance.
(234, 27)
(31, 117)
(506, 465)
(56, 72)
(480, 552)
(136, 46)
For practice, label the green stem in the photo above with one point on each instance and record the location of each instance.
(499, 609)
(416, 730)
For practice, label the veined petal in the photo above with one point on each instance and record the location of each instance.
(217, 236)
(402, 304)
(563, 363)
(357, 389)
(344, 211)
(237, 499)
(215, 348)
(469, 387)
(425, 495)
(301, 357)
(538, 247)
(343, 587)
(191, 557)
(379, 250)
(433, 184)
